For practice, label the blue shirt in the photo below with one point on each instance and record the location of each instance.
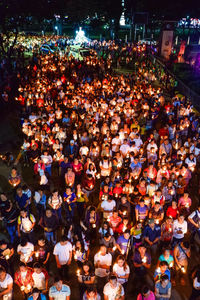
(122, 242)
(70, 198)
(43, 297)
(21, 200)
(167, 272)
(152, 234)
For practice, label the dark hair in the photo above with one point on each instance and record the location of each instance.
(145, 290)
(186, 244)
(22, 264)
(63, 238)
(57, 278)
(164, 277)
(164, 263)
(37, 265)
(24, 241)
(113, 277)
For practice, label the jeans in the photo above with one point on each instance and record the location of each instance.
(50, 236)
(48, 170)
(12, 232)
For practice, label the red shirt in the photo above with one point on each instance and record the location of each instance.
(171, 212)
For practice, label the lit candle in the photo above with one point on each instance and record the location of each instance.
(22, 288)
(7, 257)
(183, 269)
(114, 248)
(94, 225)
(28, 287)
(37, 254)
(171, 265)
(78, 272)
(144, 259)
(123, 251)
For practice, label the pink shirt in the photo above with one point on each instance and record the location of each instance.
(185, 202)
(150, 297)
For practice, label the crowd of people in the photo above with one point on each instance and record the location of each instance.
(112, 161)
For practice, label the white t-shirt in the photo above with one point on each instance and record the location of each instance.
(178, 226)
(4, 284)
(115, 144)
(63, 252)
(108, 205)
(113, 293)
(39, 280)
(104, 260)
(121, 272)
(107, 165)
(26, 252)
(196, 284)
(124, 149)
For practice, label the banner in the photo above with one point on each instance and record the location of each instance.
(167, 41)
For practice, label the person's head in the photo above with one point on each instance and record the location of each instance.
(35, 293)
(58, 283)
(68, 190)
(91, 292)
(23, 213)
(2, 274)
(146, 291)
(22, 267)
(126, 234)
(163, 266)
(23, 241)
(164, 280)
(181, 219)
(142, 250)
(113, 281)
(37, 268)
(151, 223)
(141, 202)
(63, 240)
(103, 250)
(166, 253)
(41, 241)
(174, 204)
(48, 213)
(86, 267)
(19, 192)
(3, 244)
(120, 261)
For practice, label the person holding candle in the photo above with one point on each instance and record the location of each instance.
(6, 255)
(70, 203)
(23, 278)
(42, 252)
(102, 263)
(152, 234)
(26, 223)
(181, 256)
(121, 270)
(6, 285)
(55, 202)
(86, 277)
(40, 278)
